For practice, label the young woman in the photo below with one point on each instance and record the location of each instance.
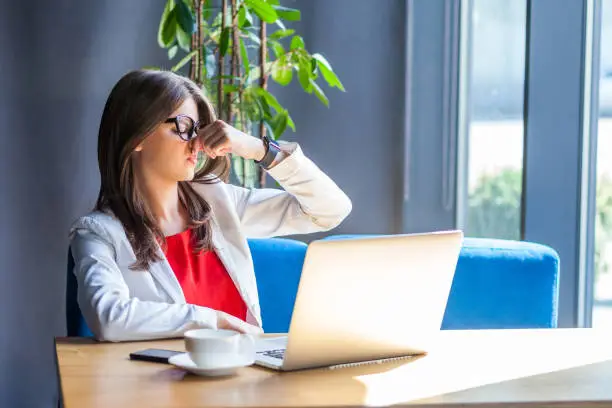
(165, 249)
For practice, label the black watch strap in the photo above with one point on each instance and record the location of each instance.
(272, 149)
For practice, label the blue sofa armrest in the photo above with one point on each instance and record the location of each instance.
(501, 284)
(497, 284)
(278, 266)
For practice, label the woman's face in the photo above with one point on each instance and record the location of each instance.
(164, 154)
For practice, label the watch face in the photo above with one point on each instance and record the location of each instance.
(272, 142)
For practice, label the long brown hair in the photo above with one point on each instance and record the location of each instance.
(139, 102)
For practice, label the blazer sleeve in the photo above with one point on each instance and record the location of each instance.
(104, 298)
(309, 202)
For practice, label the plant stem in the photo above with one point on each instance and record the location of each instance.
(236, 65)
(220, 67)
(193, 67)
(263, 82)
(234, 61)
(201, 53)
(235, 12)
(240, 86)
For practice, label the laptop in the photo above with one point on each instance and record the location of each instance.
(366, 299)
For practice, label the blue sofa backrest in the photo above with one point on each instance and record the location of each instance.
(497, 284)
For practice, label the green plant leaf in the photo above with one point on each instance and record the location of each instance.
(263, 10)
(217, 20)
(304, 70)
(254, 37)
(184, 39)
(172, 52)
(170, 30)
(280, 24)
(279, 123)
(304, 78)
(322, 60)
(224, 41)
(254, 75)
(297, 42)
(270, 128)
(217, 77)
(278, 34)
(245, 58)
(282, 72)
(206, 12)
(269, 98)
(300, 56)
(290, 122)
(326, 70)
(165, 32)
(183, 61)
(313, 67)
(277, 47)
(245, 19)
(265, 107)
(230, 88)
(210, 64)
(287, 13)
(273, 2)
(319, 93)
(250, 105)
(185, 17)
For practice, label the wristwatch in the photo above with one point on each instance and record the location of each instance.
(272, 149)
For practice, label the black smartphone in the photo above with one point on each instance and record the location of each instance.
(154, 355)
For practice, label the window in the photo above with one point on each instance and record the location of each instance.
(602, 302)
(494, 115)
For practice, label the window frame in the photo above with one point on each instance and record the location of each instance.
(561, 99)
(561, 92)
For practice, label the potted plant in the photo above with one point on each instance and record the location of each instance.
(232, 54)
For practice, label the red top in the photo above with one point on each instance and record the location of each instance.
(203, 277)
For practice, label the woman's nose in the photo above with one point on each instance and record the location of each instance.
(196, 144)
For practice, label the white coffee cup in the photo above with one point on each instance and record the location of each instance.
(209, 348)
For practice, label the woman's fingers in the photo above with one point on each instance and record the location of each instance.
(224, 150)
(209, 130)
(229, 322)
(215, 140)
(246, 328)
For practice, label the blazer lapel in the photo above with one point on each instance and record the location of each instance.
(229, 263)
(162, 272)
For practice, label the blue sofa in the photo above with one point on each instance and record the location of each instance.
(497, 284)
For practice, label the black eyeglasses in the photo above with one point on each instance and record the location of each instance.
(186, 127)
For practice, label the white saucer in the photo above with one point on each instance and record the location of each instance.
(183, 361)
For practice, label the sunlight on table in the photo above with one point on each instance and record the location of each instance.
(474, 367)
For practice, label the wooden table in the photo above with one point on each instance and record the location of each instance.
(568, 367)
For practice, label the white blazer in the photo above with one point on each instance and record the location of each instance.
(120, 304)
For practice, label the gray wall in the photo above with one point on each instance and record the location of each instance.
(58, 61)
(358, 140)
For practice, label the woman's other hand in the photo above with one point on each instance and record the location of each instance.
(229, 322)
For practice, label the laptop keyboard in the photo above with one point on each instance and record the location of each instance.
(278, 353)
